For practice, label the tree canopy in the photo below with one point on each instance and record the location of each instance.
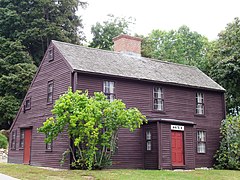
(228, 155)
(26, 29)
(92, 123)
(225, 63)
(17, 70)
(181, 46)
(35, 23)
(103, 33)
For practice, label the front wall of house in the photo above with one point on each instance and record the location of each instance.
(179, 104)
(58, 71)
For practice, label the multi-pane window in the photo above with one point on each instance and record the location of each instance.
(109, 90)
(28, 104)
(158, 98)
(201, 141)
(148, 140)
(21, 142)
(199, 103)
(50, 54)
(49, 145)
(13, 140)
(50, 92)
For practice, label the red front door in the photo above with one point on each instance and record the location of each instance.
(177, 148)
(27, 146)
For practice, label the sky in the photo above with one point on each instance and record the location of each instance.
(207, 17)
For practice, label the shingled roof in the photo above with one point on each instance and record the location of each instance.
(111, 63)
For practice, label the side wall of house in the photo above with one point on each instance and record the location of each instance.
(179, 103)
(58, 72)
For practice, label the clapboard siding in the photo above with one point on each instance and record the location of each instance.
(58, 71)
(151, 157)
(179, 103)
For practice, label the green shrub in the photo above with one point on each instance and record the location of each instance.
(3, 141)
(228, 155)
(92, 124)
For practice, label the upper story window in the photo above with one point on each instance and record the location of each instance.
(199, 103)
(201, 141)
(13, 140)
(50, 54)
(158, 98)
(148, 140)
(50, 92)
(109, 90)
(21, 142)
(27, 104)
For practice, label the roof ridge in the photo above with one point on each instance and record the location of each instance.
(114, 52)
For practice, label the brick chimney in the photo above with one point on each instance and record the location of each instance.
(127, 44)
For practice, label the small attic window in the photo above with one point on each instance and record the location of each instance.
(50, 54)
(28, 104)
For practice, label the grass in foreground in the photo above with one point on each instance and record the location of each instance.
(35, 173)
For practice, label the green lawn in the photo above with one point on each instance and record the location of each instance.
(30, 172)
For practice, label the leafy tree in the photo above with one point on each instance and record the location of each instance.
(17, 70)
(228, 155)
(226, 63)
(35, 23)
(181, 46)
(105, 32)
(3, 141)
(92, 123)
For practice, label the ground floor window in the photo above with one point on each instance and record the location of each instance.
(201, 141)
(148, 140)
(13, 140)
(48, 145)
(21, 142)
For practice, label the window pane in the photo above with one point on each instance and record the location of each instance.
(28, 103)
(157, 92)
(201, 147)
(50, 88)
(50, 97)
(158, 104)
(199, 97)
(111, 88)
(21, 138)
(148, 135)
(111, 97)
(149, 145)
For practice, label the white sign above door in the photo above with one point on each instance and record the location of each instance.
(177, 128)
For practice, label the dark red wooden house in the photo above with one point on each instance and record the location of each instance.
(184, 107)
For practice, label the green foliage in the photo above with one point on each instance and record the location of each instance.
(3, 141)
(226, 63)
(92, 124)
(17, 70)
(228, 155)
(26, 29)
(35, 23)
(181, 46)
(105, 32)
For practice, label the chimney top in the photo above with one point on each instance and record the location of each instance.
(127, 44)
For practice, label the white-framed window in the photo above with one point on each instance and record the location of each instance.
(158, 98)
(109, 90)
(199, 103)
(21, 142)
(148, 140)
(13, 139)
(201, 142)
(49, 145)
(50, 92)
(50, 54)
